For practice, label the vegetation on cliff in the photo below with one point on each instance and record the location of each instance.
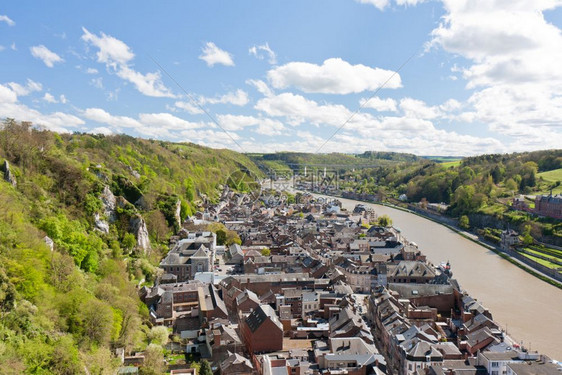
(64, 310)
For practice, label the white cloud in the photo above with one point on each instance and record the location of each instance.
(111, 50)
(62, 99)
(48, 57)
(92, 71)
(101, 130)
(7, 95)
(379, 4)
(4, 18)
(415, 108)
(451, 105)
(103, 117)
(49, 98)
(261, 86)
(189, 107)
(409, 2)
(297, 109)
(239, 98)
(2, 48)
(117, 56)
(381, 105)
(149, 84)
(30, 86)
(167, 121)
(260, 51)
(334, 76)
(513, 65)
(56, 121)
(97, 82)
(265, 126)
(214, 55)
(13, 46)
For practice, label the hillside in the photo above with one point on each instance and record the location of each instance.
(295, 161)
(109, 204)
(481, 187)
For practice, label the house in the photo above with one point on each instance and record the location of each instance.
(412, 272)
(420, 357)
(190, 255)
(236, 364)
(247, 301)
(262, 330)
(351, 353)
(496, 362)
(235, 254)
(541, 367)
(457, 367)
(549, 205)
(509, 238)
(477, 340)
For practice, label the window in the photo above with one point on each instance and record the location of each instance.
(495, 364)
(494, 373)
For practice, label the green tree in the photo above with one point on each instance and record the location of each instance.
(464, 222)
(527, 238)
(158, 335)
(129, 242)
(265, 252)
(221, 237)
(153, 360)
(511, 185)
(385, 221)
(205, 368)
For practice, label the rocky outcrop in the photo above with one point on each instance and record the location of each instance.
(109, 203)
(100, 224)
(49, 242)
(138, 228)
(142, 204)
(8, 176)
(177, 214)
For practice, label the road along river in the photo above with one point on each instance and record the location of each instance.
(530, 309)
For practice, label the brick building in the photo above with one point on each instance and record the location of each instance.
(262, 330)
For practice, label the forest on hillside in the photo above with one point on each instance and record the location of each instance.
(481, 187)
(66, 309)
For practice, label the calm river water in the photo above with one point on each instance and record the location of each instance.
(530, 308)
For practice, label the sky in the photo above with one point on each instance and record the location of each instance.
(451, 77)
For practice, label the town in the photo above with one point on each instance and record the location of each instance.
(315, 289)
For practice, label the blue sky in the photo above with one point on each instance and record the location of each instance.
(485, 76)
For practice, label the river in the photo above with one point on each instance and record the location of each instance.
(529, 308)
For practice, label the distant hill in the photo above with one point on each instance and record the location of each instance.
(298, 160)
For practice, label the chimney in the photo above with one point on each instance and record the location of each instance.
(217, 338)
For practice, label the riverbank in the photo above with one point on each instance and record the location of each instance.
(514, 258)
(524, 303)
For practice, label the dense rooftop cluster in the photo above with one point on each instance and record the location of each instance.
(316, 289)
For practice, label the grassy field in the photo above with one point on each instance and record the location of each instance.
(552, 177)
(451, 164)
(545, 263)
(541, 254)
(546, 251)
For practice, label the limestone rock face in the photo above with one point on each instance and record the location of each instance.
(142, 204)
(138, 228)
(100, 224)
(49, 242)
(8, 176)
(109, 202)
(177, 213)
